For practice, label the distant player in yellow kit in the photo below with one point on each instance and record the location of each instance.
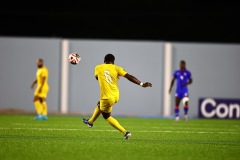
(107, 75)
(41, 91)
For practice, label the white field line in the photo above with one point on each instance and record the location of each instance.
(160, 125)
(196, 128)
(96, 130)
(155, 127)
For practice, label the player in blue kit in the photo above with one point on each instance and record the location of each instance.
(184, 78)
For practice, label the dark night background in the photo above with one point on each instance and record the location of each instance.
(168, 20)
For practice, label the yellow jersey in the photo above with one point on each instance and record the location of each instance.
(42, 72)
(108, 75)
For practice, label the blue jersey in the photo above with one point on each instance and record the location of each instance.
(182, 77)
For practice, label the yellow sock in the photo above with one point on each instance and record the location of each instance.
(38, 107)
(95, 115)
(44, 106)
(113, 122)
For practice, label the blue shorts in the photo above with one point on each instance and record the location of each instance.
(181, 94)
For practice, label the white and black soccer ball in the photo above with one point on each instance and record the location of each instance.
(74, 58)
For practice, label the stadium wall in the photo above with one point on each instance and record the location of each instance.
(214, 68)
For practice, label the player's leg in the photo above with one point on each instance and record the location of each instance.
(43, 97)
(106, 109)
(176, 108)
(113, 122)
(44, 109)
(186, 107)
(38, 107)
(94, 116)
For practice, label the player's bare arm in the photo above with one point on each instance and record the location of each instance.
(172, 83)
(33, 84)
(136, 81)
(189, 82)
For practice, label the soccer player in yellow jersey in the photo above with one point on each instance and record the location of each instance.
(41, 91)
(107, 75)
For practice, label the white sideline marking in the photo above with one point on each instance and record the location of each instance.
(104, 126)
(95, 130)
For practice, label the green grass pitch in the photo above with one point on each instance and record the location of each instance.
(67, 138)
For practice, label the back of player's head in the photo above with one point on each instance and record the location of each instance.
(109, 58)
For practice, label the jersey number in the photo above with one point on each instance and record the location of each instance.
(107, 76)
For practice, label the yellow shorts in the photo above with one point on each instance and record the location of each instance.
(43, 93)
(107, 104)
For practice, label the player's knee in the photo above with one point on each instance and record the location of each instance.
(98, 104)
(35, 99)
(106, 115)
(185, 100)
(42, 100)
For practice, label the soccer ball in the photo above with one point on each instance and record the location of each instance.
(74, 58)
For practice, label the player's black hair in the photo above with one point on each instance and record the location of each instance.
(40, 59)
(109, 58)
(182, 61)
